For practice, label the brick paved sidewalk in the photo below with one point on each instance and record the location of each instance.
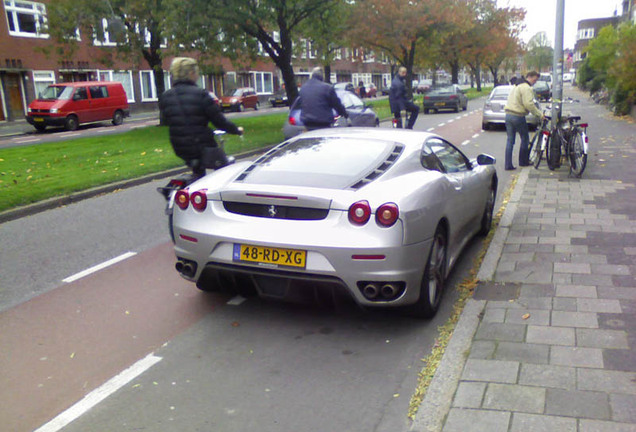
(553, 344)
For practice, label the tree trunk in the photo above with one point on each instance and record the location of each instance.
(327, 72)
(454, 71)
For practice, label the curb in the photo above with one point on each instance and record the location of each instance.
(55, 202)
(439, 396)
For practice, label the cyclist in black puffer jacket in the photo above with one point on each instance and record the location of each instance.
(187, 110)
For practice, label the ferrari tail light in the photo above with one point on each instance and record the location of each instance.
(182, 199)
(387, 214)
(199, 200)
(359, 212)
(292, 121)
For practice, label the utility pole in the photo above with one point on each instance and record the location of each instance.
(557, 63)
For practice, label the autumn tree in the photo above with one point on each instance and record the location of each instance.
(272, 24)
(327, 33)
(505, 27)
(397, 27)
(134, 26)
(539, 52)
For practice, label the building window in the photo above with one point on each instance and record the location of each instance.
(42, 79)
(107, 40)
(313, 53)
(124, 77)
(586, 33)
(26, 18)
(262, 82)
(148, 88)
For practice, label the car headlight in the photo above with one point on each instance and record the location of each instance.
(29, 110)
(234, 100)
(54, 110)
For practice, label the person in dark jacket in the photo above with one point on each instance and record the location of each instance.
(187, 110)
(316, 101)
(362, 90)
(399, 102)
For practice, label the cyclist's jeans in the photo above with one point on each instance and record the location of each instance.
(517, 125)
(413, 111)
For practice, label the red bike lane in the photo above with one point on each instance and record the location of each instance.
(57, 347)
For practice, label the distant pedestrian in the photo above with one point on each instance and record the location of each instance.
(399, 101)
(513, 80)
(362, 90)
(520, 103)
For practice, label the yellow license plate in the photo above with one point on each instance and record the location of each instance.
(440, 103)
(269, 255)
(38, 119)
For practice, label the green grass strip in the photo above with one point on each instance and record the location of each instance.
(33, 173)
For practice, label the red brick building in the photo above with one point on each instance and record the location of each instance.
(25, 69)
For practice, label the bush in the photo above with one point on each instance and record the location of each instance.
(620, 101)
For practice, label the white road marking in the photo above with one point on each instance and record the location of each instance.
(137, 126)
(465, 142)
(26, 140)
(430, 129)
(102, 130)
(71, 134)
(235, 301)
(441, 124)
(451, 120)
(98, 267)
(476, 135)
(99, 394)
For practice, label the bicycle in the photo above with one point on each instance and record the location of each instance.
(567, 140)
(539, 143)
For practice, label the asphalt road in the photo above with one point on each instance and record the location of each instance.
(198, 361)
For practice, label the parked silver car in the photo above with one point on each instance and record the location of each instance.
(380, 215)
(493, 112)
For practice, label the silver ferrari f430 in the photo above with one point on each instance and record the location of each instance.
(378, 214)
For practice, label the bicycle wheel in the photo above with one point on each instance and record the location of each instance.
(578, 157)
(553, 156)
(535, 149)
(542, 146)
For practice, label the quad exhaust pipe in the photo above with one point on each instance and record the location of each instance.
(186, 268)
(382, 291)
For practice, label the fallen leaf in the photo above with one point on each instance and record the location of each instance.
(396, 395)
(525, 316)
(72, 355)
(236, 324)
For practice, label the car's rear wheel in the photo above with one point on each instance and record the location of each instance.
(432, 285)
(71, 123)
(485, 126)
(118, 118)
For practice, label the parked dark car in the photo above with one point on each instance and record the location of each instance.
(359, 114)
(445, 98)
(542, 90)
(241, 98)
(279, 99)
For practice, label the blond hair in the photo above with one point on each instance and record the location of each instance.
(184, 68)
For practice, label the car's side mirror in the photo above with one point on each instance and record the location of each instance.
(484, 159)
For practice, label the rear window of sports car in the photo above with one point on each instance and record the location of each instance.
(326, 162)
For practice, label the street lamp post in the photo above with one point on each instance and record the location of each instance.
(557, 63)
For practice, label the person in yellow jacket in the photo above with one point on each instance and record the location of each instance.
(520, 103)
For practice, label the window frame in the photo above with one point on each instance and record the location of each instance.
(40, 79)
(131, 97)
(37, 11)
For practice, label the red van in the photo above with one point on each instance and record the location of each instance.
(71, 104)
